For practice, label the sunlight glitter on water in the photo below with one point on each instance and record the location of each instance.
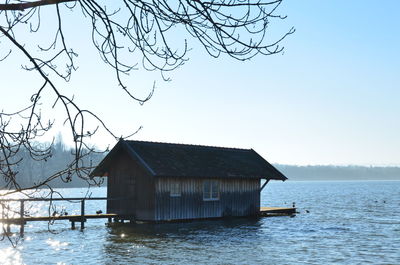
(11, 256)
(56, 245)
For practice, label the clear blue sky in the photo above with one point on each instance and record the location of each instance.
(333, 97)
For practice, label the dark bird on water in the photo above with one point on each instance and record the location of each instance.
(294, 205)
(99, 212)
(307, 211)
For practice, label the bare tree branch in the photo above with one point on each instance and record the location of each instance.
(128, 35)
(27, 5)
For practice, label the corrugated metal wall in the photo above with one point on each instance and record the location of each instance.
(238, 197)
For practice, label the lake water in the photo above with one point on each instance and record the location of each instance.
(346, 223)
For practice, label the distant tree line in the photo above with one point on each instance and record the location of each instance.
(30, 172)
(340, 172)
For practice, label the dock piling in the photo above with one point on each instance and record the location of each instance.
(82, 214)
(21, 214)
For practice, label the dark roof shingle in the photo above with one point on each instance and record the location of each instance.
(182, 160)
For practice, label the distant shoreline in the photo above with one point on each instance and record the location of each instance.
(294, 173)
(339, 173)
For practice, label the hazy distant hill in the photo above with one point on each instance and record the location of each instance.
(339, 172)
(31, 172)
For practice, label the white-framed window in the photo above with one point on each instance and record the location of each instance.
(175, 190)
(211, 190)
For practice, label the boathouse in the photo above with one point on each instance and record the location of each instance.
(164, 181)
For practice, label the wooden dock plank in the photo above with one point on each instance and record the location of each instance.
(264, 211)
(276, 211)
(71, 218)
(82, 218)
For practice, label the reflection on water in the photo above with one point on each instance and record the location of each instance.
(177, 242)
(196, 232)
(339, 223)
(185, 229)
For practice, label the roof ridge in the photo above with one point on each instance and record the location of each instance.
(193, 145)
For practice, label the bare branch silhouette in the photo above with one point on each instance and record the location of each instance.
(121, 32)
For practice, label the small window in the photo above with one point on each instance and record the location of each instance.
(211, 190)
(175, 189)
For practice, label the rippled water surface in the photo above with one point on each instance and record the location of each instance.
(346, 223)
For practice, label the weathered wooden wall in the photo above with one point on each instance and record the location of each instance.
(238, 197)
(150, 200)
(117, 187)
(145, 193)
(127, 179)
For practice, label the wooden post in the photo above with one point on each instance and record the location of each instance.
(83, 214)
(2, 215)
(72, 225)
(21, 214)
(265, 184)
(8, 224)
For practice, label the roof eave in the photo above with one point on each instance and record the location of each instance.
(277, 174)
(101, 169)
(224, 177)
(138, 158)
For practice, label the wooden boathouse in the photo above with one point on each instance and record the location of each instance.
(164, 181)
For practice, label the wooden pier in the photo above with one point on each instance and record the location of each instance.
(82, 217)
(276, 211)
(72, 218)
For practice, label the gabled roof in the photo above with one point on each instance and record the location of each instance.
(182, 160)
